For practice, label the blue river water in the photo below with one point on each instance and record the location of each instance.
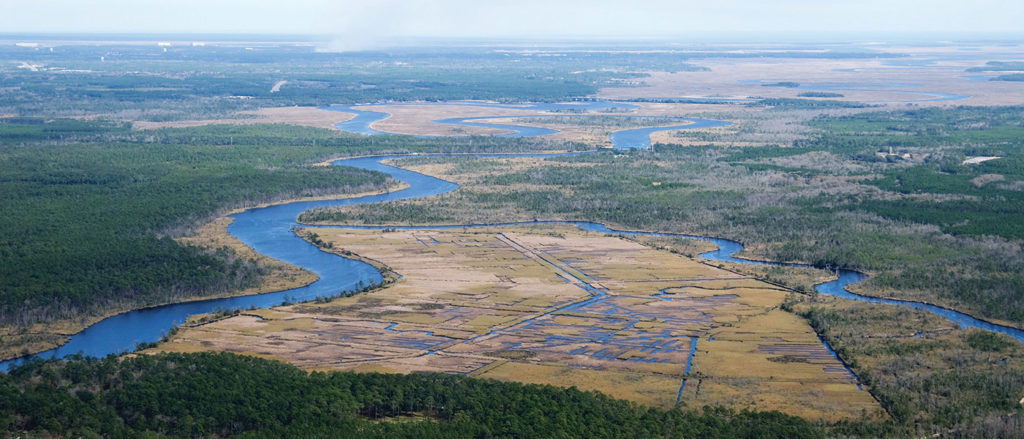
(268, 230)
(361, 123)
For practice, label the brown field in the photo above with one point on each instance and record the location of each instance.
(556, 306)
(769, 360)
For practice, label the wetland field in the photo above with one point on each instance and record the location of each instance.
(493, 240)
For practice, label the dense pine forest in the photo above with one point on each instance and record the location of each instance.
(227, 395)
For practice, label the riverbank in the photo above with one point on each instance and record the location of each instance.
(19, 342)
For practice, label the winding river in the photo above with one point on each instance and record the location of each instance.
(639, 138)
(268, 230)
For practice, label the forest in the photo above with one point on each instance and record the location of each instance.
(190, 395)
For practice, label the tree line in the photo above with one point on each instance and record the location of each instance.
(226, 395)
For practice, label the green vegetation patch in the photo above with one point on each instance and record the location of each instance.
(993, 208)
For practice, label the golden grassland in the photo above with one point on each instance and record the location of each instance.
(769, 360)
(558, 306)
(644, 388)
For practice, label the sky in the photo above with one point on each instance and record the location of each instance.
(368, 20)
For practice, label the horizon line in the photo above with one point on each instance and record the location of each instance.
(703, 37)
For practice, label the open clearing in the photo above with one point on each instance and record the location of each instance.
(558, 306)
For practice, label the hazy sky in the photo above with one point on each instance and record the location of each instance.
(375, 19)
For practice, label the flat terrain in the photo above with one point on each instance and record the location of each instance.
(901, 162)
(864, 80)
(301, 116)
(556, 306)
